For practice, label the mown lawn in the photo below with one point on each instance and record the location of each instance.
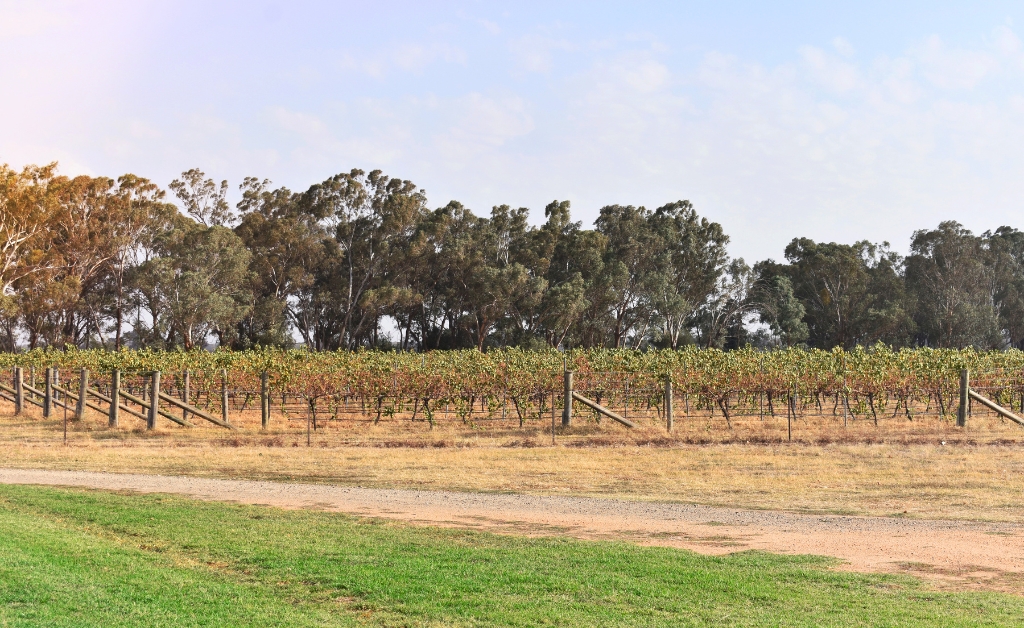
(84, 558)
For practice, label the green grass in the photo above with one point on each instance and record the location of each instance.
(82, 558)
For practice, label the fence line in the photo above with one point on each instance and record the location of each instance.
(636, 398)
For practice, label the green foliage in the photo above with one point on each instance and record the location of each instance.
(783, 312)
(952, 275)
(851, 294)
(195, 287)
(359, 256)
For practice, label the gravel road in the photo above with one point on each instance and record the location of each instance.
(962, 553)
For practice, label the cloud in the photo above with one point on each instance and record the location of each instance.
(303, 124)
(837, 141)
(409, 57)
(1006, 41)
(827, 70)
(646, 76)
(534, 53)
(630, 75)
(414, 57)
(482, 124)
(329, 141)
(822, 146)
(490, 26)
(954, 68)
(828, 145)
(843, 47)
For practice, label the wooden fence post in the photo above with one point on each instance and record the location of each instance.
(154, 401)
(965, 385)
(83, 391)
(567, 412)
(668, 403)
(265, 400)
(115, 397)
(19, 391)
(48, 393)
(224, 394)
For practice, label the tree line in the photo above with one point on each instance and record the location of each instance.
(360, 260)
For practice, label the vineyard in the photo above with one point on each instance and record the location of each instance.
(821, 396)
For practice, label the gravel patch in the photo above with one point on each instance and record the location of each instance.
(958, 553)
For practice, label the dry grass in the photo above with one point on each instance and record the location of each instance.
(978, 474)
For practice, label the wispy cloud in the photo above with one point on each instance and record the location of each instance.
(535, 52)
(832, 136)
(407, 57)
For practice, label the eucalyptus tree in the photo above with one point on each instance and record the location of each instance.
(134, 206)
(778, 307)
(726, 305)
(576, 305)
(689, 273)
(195, 285)
(86, 258)
(1005, 255)
(514, 278)
(193, 275)
(548, 299)
(852, 294)
(86, 209)
(369, 218)
(451, 239)
(203, 198)
(65, 306)
(951, 276)
(634, 255)
(287, 246)
(26, 207)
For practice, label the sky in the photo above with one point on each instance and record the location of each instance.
(836, 122)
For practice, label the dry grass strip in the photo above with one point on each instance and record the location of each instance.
(958, 480)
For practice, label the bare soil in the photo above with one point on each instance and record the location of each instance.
(920, 497)
(951, 554)
(979, 483)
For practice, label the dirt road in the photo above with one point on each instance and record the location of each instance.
(951, 553)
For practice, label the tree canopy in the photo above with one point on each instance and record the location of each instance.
(361, 260)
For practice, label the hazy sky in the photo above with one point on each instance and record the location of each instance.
(775, 119)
